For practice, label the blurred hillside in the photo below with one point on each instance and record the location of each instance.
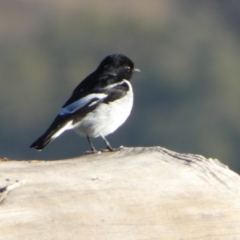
(186, 96)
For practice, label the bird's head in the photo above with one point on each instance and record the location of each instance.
(119, 65)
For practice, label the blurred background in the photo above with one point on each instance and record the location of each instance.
(186, 96)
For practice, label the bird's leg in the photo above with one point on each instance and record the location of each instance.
(93, 149)
(108, 146)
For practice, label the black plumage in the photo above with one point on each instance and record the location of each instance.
(105, 85)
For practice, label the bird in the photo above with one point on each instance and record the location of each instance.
(98, 106)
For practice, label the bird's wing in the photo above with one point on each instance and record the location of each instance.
(89, 102)
(82, 103)
(94, 83)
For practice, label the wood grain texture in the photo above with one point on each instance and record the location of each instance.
(134, 194)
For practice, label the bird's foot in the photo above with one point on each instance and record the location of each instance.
(92, 152)
(111, 149)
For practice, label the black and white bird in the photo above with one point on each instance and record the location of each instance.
(99, 104)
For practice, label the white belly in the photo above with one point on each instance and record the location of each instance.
(106, 118)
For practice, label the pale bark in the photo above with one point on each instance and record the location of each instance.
(134, 194)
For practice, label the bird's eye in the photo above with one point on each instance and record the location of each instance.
(127, 68)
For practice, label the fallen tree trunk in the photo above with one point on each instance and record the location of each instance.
(134, 194)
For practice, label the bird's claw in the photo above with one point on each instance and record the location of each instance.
(92, 152)
(108, 149)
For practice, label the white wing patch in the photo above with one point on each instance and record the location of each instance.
(71, 108)
(115, 84)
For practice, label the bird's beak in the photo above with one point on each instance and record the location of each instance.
(136, 70)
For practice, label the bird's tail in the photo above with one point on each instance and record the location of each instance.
(58, 126)
(42, 142)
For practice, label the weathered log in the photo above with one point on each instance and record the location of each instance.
(134, 194)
